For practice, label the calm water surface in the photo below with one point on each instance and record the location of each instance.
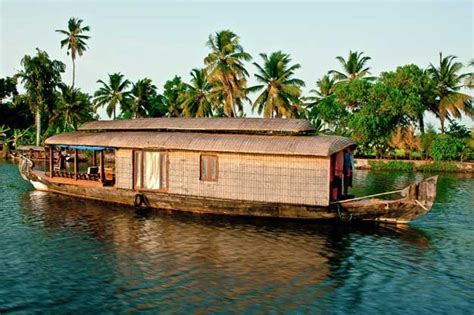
(59, 254)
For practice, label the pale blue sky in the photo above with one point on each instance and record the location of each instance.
(158, 39)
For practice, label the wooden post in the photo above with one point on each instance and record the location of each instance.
(76, 164)
(102, 172)
(51, 161)
(94, 158)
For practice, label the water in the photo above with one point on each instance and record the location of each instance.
(59, 254)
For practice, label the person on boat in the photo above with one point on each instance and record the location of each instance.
(62, 161)
(348, 170)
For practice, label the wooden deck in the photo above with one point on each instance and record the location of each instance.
(68, 181)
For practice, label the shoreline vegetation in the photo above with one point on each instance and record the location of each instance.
(383, 114)
(424, 166)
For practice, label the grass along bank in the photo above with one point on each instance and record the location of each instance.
(415, 166)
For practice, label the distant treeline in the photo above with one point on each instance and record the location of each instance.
(384, 114)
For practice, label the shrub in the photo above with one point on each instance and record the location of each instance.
(447, 148)
(391, 165)
(438, 166)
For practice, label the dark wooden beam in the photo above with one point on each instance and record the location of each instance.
(94, 158)
(102, 172)
(51, 161)
(76, 163)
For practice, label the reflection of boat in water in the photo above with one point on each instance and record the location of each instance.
(239, 167)
(254, 251)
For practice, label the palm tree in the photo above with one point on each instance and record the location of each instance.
(281, 91)
(450, 103)
(75, 41)
(469, 81)
(40, 76)
(142, 94)
(74, 107)
(325, 88)
(353, 68)
(196, 101)
(112, 94)
(227, 73)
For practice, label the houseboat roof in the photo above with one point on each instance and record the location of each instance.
(29, 148)
(206, 142)
(219, 125)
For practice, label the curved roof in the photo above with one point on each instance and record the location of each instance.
(228, 125)
(236, 143)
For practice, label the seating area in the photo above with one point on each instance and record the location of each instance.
(84, 176)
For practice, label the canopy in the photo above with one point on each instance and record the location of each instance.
(83, 147)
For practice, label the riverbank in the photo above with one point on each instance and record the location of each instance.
(414, 165)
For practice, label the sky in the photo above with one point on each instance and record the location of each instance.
(159, 39)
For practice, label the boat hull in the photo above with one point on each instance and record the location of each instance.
(399, 211)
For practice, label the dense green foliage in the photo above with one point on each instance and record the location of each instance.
(405, 166)
(392, 166)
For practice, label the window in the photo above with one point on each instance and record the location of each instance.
(150, 170)
(209, 168)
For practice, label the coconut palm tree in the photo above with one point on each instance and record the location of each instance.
(469, 81)
(226, 71)
(112, 94)
(74, 107)
(142, 94)
(40, 76)
(450, 103)
(75, 41)
(353, 68)
(325, 88)
(196, 101)
(281, 91)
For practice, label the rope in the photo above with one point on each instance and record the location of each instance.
(369, 196)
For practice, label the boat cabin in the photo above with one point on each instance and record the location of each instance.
(250, 159)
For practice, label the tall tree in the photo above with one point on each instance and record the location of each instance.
(142, 95)
(322, 106)
(413, 89)
(196, 101)
(227, 73)
(281, 91)
(112, 94)
(450, 103)
(40, 77)
(7, 88)
(75, 41)
(170, 100)
(74, 108)
(355, 67)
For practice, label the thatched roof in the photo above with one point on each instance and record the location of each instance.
(205, 142)
(221, 125)
(29, 147)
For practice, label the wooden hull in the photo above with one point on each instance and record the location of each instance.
(398, 211)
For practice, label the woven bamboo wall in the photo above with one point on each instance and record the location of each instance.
(123, 169)
(286, 179)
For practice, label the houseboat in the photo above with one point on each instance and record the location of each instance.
(238, 166)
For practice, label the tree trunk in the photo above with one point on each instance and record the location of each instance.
(38, 125)
(73, 72)
(442, 124)
(421, 122)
